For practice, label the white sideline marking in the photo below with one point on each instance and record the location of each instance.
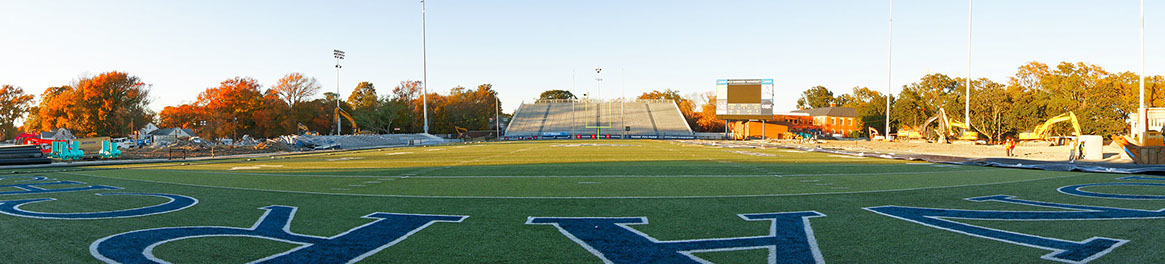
(433, 150)
(846, 156)
(567, 197)
(588, 182)
(255, 167)
(339, 189)
(398, 153)
(355, 185)
(343, 159)
(372, 182)
(591, 176)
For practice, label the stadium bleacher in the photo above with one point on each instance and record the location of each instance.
(548, 119)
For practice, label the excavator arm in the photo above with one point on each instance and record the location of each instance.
(1041, 131)
(355, 128)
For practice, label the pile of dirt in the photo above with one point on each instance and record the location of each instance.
(1112, 153)
(179, 151)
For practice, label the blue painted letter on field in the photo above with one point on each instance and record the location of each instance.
(1062, 250)
(350, 246)
(34, 188)
(177, 202)
(789, 240)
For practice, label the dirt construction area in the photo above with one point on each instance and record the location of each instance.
(1112, 153)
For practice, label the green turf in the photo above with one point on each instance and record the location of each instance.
(687, 191)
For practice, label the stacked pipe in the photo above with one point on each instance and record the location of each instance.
(22, 155)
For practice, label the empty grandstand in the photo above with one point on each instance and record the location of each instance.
(562, 119)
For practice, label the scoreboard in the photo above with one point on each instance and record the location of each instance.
(744, 99)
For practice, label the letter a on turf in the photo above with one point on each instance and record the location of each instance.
(351, 246)
(790, 239)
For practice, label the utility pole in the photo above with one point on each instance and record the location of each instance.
(1142, 114)
(339, 55)
(598, 107)
(424, 70)
(889, 69)
(967, 109)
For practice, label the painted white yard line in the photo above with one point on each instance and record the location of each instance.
(567, 198)
(413, 175)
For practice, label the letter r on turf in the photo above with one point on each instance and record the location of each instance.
(789, 240)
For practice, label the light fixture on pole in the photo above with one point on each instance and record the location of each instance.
(339, 55)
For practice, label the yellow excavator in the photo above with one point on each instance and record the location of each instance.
(966, 133)
(945, 130)
(1041, 131)
(355, 129)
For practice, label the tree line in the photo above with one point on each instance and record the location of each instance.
(116, 103)
(1103, 101)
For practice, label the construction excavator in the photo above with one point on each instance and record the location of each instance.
(1042, 131)
(355, 129)
(303, 130)
(945, 132)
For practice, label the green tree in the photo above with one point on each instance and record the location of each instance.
(364, 96)
(14, 104)
(992, 102)
(815, 97)
(557, 94)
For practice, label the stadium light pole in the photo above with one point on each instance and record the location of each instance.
(889, 69)
(339, 55)
(1142, 115)
(424, 70)
(967, 109)
(598, 96)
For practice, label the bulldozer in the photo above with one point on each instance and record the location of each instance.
(1041, 131)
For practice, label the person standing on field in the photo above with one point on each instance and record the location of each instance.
(1074, 143)
(1010, 147)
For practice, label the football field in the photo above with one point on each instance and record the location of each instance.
(577, 201)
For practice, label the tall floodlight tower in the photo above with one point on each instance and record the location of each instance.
(339, 55)
(598, 96)
(889, 68)
(1142, 115)
(967, 109)
(424, 70)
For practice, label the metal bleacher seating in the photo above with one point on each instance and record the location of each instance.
(635, 119)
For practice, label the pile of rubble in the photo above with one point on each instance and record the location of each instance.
(292, 142)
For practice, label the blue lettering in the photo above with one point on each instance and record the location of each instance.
(177, 202)
(33, 188)
(350, 246)
(790, 237)
(1062, 250)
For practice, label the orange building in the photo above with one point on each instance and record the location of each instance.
(834, 120)
(771, 128)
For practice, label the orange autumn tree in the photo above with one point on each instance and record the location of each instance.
(110, 104)
(229, 108)
(182, 116)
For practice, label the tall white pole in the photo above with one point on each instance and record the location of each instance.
(497, 116)
(889, 68)
(424, 70)
(1142, 115)
(967, 108)
(338, 96)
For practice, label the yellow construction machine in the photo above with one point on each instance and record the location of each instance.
(355, 129)
(966, 133)
(1041, 132)
(945, 131)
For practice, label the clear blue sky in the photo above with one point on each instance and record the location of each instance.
(526, 47)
